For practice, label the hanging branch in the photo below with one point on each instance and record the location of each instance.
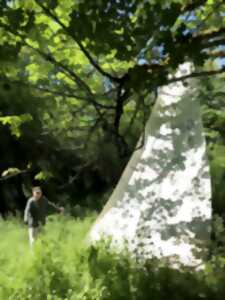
(192, 6)
(82, 48)
(63, 68)
(197, 74)
(49, 58)
(6, 177)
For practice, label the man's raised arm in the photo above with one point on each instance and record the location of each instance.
(56, 207)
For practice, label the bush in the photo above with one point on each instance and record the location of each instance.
(63, 266)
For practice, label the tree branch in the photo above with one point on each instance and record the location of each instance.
(196, 74)
(215, 43)
(50, 58)
(64, 69)
(3, 178)
(121, 97)
(217, 5)
(54, 92)
(193, 5)
(81, 46)
(217, 54)
(209, 35)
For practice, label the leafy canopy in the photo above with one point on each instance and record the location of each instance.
(105, 57)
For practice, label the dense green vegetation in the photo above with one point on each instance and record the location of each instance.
(63, 266)
(78, 80)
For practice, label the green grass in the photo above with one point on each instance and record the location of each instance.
(62, 242)
(63, 266)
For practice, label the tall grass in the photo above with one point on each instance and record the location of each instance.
(62, 266)
(32, 274)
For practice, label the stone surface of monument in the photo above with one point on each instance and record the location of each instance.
(161, 206)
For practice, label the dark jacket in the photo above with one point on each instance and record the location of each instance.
(36, 211)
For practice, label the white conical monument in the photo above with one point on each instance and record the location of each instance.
(161, 206)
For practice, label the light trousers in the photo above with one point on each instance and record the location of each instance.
(33, 233)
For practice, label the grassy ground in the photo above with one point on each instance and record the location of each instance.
(57, 250)
(63, 266)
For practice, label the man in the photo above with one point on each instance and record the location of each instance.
(36, 211)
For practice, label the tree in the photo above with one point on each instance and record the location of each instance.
(211, 94)
(95, 53)
(95, 66)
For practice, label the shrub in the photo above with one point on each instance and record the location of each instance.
(63, 266)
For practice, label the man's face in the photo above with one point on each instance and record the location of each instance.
(37, 194)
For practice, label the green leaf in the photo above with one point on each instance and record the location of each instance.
(43, 175)
(15, 122)
(10, 171)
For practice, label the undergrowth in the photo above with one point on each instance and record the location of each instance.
(63, 266)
